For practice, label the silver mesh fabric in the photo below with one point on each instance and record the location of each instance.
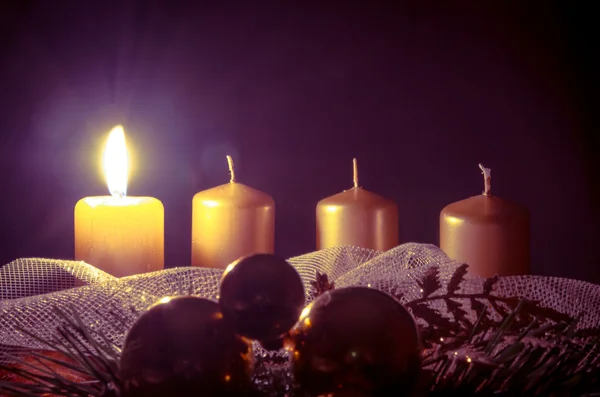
(32, 289)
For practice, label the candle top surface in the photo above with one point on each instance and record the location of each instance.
(234, 193)
(112, 201)
(483, 209)
(358, 196)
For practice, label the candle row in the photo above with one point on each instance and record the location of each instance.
(124, 235)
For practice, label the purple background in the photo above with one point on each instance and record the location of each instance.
(418, 93)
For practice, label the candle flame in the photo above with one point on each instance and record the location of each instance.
(115, 162)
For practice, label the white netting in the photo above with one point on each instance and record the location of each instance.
(31, 289)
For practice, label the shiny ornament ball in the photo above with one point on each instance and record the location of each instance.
(355, 340)
(263, 296)
(184, 347)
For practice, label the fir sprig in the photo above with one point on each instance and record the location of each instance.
(529, 350)
(321, 284)
(490, 310)
(88, 354)
(482, 344)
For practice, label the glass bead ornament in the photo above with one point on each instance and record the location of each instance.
(355, 341)
(184, 347)
(262, 295)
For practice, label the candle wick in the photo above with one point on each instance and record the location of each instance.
(117, 194)
(487, 178)
(355, 172)
(231, 169)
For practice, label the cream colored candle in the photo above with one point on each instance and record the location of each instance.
(231, 221)
(119, 234)
(358, 218)
(488, 233)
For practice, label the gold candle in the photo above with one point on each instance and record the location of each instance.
(231, 221)
(488, 233)
(357, 217)
(119, 234)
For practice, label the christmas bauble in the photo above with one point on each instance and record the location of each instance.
(184, 347)
(263, 296)
(355, 340)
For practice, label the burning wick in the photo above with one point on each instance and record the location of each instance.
(231, 169)
(487, 177)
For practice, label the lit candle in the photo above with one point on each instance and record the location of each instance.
(119, 234)
(488, 233)
(357, 217)
(231, 221)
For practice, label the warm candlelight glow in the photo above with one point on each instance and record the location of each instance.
(119, 234)
(115, 162)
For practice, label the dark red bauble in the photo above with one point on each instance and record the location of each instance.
(263, 296)
(355, 340)
(183, 347)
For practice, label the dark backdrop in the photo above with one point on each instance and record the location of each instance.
(419, 93)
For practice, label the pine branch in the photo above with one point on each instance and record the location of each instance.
(457, 278)
(488, 285)
(494, 298)
(532, 350)
(430, 282)
(510, 358)
(80, 353)
(321, 284)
